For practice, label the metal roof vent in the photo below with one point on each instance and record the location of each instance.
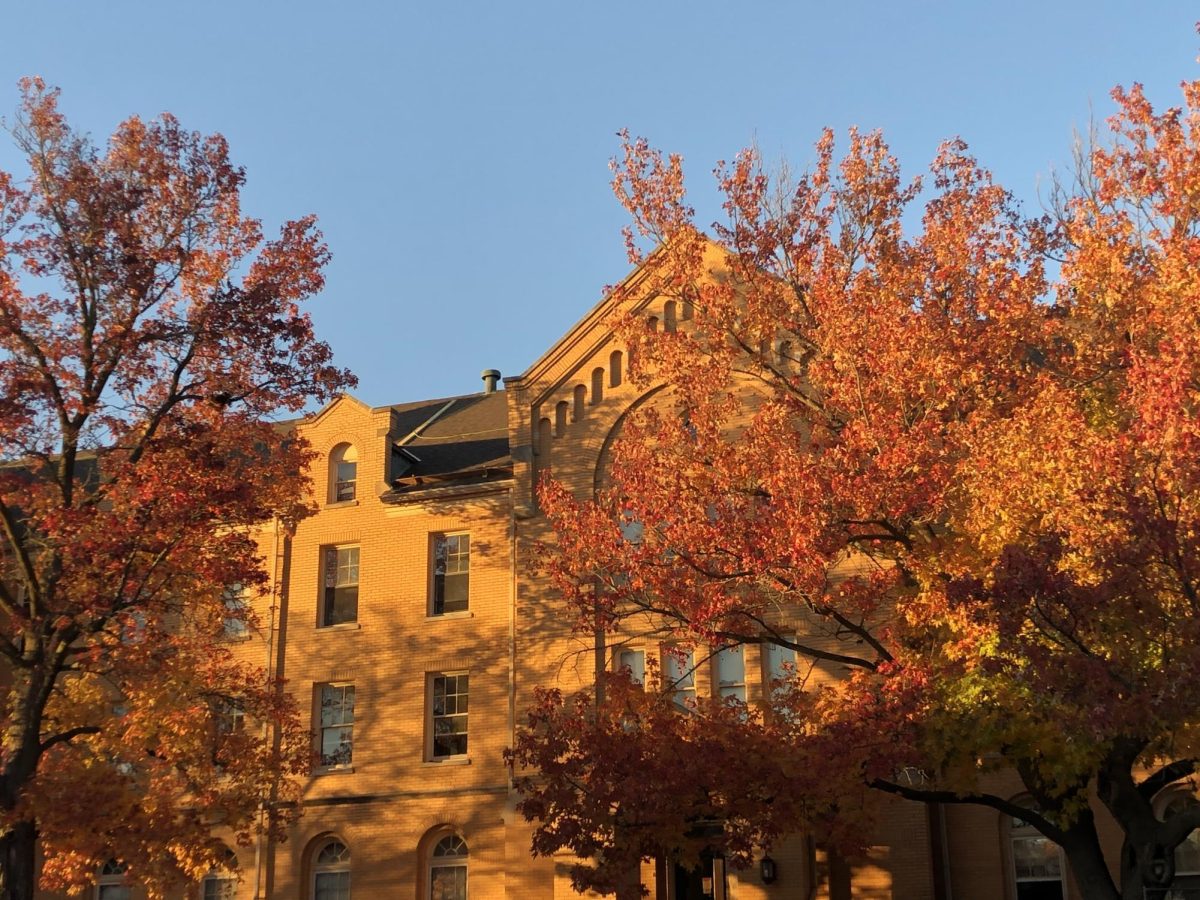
(490, 378)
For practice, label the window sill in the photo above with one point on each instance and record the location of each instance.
(341, 626)
(341, 504)
(448, 761)
(465, 614)
(333, 770)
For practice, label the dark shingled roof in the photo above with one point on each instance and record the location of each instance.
(466, 442)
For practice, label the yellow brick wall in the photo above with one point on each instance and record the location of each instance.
(392, 803)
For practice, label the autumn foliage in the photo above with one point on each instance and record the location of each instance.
(147, 335)
(969, 464)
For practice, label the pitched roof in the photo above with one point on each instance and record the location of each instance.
(453, 439)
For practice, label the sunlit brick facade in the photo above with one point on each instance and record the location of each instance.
(408, 625)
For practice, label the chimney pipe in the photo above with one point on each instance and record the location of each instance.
(490, 377)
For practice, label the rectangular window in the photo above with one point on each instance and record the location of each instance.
(220, 887)
(730, 668)
(448, 710)
(451, 573)
(229, 718)
(1038, 867)
(340, 597)
(234, 625)
(779, 664)
(345, 477)
(680, 674)
(635, 662)
(337, 724)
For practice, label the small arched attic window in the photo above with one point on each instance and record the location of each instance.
(615, 375)
(560, 417)
(669, 317)
(343, 473)
(580, 402)
(597, 385)
(545, 443)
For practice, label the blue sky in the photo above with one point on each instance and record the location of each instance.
(456, 153)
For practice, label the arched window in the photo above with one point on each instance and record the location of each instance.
(669, 318)
(331, 871)
(614, 369)
(597, 385)
(580, 402)
(544, 444)
(652, 324)
(1037, 862)
(688, 310)
(448, 869)
(560, 417)
(111, 884)
(343, 473)
(221, 882)
(1187, 854)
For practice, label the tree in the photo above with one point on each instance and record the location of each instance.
(972, 466)
(147, 334)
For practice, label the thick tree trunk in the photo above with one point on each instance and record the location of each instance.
(1081, 845)
(18, 862)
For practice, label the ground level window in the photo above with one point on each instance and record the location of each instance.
(1037, 864)
(1187, 854)
(221, 882)
(111, 884)
(331, 872)
(448, 869)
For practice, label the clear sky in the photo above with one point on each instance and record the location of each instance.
(456, 153)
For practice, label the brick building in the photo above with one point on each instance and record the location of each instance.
(403, 615)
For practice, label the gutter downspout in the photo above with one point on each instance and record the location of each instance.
(258, 841)
(512, 628)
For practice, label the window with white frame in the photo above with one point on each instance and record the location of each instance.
(448, 714)
(1037, 863)
(730, 670)
(111, 883)
(679, 675)
(331, 871)
(448, 869)
(343, 473)
(221, 882)
(336, 738)
(234, 626)
(229, 718)
(635, 662)
(451, 573)
(1187, 855)
(339, 598)
(779, 667)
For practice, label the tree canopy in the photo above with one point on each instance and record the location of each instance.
(971, 468)
(148, 335)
